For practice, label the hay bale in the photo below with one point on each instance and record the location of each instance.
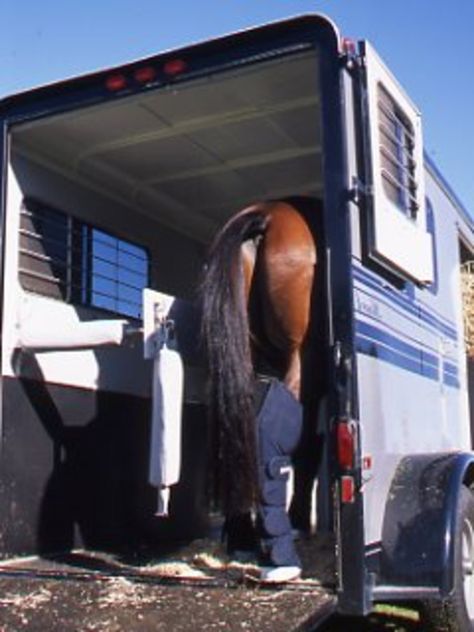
(467, 286)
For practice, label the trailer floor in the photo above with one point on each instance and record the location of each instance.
(194, 587)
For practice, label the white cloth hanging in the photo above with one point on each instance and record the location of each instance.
(165, 451)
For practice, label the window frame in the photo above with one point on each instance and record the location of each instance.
(76, 285)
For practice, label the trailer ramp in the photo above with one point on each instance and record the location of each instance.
(193, 588)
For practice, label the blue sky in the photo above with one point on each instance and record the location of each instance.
(426, 43)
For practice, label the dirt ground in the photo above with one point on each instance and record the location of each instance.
(373, 623)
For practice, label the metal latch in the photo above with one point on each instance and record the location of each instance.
(158, 328)
(359, 190)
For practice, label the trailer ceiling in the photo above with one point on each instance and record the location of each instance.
(192, 154)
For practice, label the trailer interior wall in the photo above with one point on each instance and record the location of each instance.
(162, 169)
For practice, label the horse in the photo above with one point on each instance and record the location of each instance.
(257, 295)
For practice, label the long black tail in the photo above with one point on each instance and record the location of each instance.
(225, 332)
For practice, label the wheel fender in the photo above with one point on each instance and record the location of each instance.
(420, 520)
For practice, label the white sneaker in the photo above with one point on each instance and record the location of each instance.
(279, 574)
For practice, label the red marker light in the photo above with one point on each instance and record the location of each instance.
(367, 463)
(347, 489)
(174, 67)
(349, 46)
(145, 74)
(114, 83)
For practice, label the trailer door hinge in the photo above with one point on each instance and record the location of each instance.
(359, 190)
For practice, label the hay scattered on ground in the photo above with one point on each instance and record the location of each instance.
(122, 592)
(30, 601)
(173, 568)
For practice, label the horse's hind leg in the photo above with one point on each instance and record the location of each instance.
(288, 266)
(279, 427)
(239, 534)
(292, 377)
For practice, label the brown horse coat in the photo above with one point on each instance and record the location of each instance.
(282, 263)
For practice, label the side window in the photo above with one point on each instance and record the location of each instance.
(397, 144)
(117, 272)
(67, 259)
(399, 237)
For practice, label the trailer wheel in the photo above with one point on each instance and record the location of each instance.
(456, 613)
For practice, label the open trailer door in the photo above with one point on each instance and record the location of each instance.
(400, 239)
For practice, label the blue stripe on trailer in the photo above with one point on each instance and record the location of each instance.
(406, 303)
(377, 343)
(390, 340)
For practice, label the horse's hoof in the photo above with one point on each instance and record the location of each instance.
(301, 534)
(279, 574)
(244, 556)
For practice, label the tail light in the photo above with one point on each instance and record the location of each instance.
(346, 444)
(347, 486)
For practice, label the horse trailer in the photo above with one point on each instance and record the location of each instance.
(117, 181)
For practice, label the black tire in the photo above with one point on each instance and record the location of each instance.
(456, 613)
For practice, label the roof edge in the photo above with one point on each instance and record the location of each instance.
(304, 19)
(439, 177)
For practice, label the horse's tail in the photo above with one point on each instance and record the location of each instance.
(225, 331)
